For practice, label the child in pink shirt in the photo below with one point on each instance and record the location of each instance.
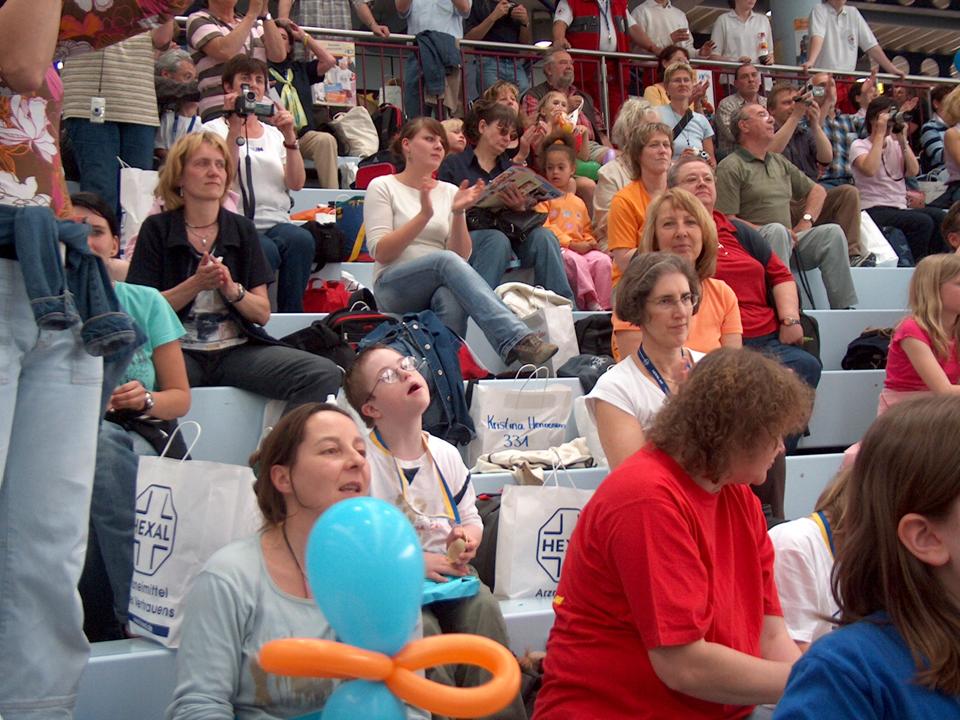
(589, 270)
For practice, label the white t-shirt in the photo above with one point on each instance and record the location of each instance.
(174, 126)
(626, 388)
(735, 38)
(887, 188)
(802, 570)
(424, 493)
(658, 21)
(842, 34)
(389, 204)
(268, 157)
(608, 35)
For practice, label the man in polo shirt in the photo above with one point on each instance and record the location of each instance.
(836, 33)
(757, 186)
(801, 140)
(746, 80)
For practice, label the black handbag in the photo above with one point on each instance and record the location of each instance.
(515, 224)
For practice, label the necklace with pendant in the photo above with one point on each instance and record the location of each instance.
(303, 575)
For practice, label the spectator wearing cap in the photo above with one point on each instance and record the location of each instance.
(747, 81)
(743, 34)
(836, 33)
(801, 140)
(756, 185)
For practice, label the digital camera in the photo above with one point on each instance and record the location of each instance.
(899, 120)
(247, 104)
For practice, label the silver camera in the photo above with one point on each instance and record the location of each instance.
(98, 110)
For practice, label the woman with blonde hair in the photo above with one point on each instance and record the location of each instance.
(667, 586)
(695, 137)
(896, 579)
(208, 264)
(648, 152)
(678, 223)
(923, 351)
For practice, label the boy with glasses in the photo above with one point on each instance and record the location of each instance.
(424, 476)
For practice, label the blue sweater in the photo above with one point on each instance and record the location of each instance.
(861, 671)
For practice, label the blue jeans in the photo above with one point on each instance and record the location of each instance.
(412, 90)
(794, 357)
(113, 508)
(445, 283)
(290, 249)
(96, 148)
(493, 69)
(49, 413)
(493, 253)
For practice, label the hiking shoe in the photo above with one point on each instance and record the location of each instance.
(868, 260)
(531, 349)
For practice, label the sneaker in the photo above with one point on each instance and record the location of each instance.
(868, 260)
(531, 349)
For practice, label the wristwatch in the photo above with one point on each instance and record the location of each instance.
(295, 145)
(790, 322)
(807, 217)
(265, 18)
(148, 402)
(240, 293)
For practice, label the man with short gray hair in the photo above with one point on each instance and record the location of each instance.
(757, 186)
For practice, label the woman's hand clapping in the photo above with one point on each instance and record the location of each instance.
(426, 204)
(467, 195)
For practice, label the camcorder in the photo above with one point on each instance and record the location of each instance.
(899, 120)
(247, 104)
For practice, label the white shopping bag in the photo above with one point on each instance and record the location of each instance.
(873, 241)
(186, 511)
(533, 416)
(547, 314)
(536, 523)
(136, 199)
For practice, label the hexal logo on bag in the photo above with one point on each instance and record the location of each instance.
(155, 528)
(553, 538)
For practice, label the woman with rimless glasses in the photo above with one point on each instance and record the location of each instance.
(425, 478)
(659, 295)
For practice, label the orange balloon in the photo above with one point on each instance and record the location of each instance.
(306, 657)
(488, 698)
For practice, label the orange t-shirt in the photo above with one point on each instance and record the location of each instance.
(625, 221)
(719, 315)
(568, 219)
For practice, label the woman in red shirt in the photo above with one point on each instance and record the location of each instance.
(667, 606)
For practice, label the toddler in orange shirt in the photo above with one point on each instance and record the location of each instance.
(588, 269)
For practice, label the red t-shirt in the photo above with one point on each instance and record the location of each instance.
(749, 279)
(655, 560)
(901, 374)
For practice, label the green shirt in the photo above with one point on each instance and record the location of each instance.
(159, 322)
(759, 191)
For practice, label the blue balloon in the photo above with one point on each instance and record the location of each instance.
(365, 567)
(956, 60)
(362, 699)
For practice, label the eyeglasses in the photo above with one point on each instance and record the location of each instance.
(389, 375)
(667, 303)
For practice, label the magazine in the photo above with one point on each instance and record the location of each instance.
(525, 180)
(339, 85)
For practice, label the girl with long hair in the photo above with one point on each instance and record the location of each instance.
(896, 579)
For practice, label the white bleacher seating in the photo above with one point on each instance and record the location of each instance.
(877, 288)
(845, 406)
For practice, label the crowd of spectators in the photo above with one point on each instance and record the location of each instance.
(689, 223)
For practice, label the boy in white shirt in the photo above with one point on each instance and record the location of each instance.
(424, 476)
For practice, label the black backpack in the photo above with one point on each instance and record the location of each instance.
(328, 243)
(352, 326)
(868, 351)
(593, 334)
(319, 339)
(387, 119)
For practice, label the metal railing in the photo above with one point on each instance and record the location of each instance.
(392, 52)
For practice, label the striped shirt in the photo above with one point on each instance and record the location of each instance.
(931, 142)
(202, 27)
(841, 130)
(121, 74)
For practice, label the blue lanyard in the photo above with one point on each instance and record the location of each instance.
(176, 122)
(449, 500)
(652, 369)
(825, 528)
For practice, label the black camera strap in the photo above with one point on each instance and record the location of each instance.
(246, 187)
